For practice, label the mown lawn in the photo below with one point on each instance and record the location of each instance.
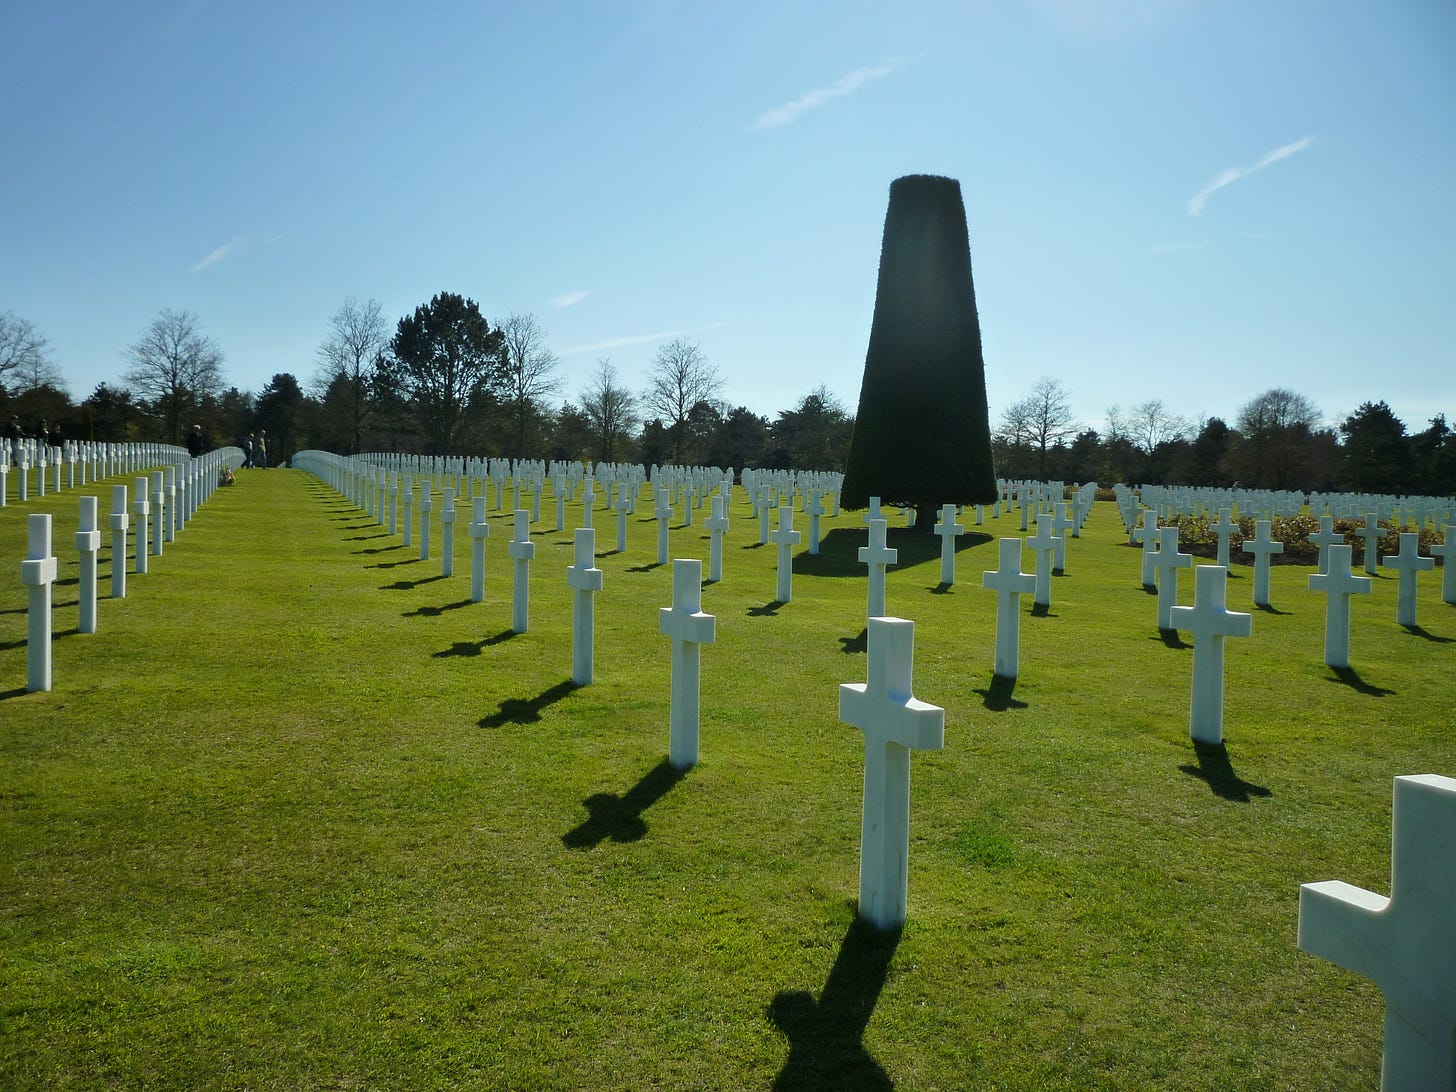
(301, 815)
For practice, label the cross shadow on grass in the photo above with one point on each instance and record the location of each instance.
(527, 710)
(395, 564)
(997, 695)
(768, 610)
(1170, 638)
(857, 643)
(380, 549)
(1268, 608)
(18, 692)
(645, 568)
(435, 612)
(826, 1037)
(1425, 634)
(474, 648)
(410, 585)
(1042, 610)
(941, 589)
(366, 538)
(1215, 768)
(620, 817)
(1351, 678)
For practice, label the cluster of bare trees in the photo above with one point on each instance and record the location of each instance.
(1276, 441)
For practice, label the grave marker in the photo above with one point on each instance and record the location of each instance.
(522, 550)
(894, 723)
(120, 521)
(1407, 563)
(1044, 545)
(585, 580)
(1324, 538)
(1446, 551)
(717, 525)
(1210, 621)
(143, 508)
(689, 629)
(1009, 583)
(1338, 583)
(1223, 527)
(1166, 562)
(1262, 546)
(947, 529)
(479, 532)
(1405, 944)
(877, 556)
(447, 533)
(88, 542)
(785, 538)
(1147, 534)
(38, 573)
(1371, 533)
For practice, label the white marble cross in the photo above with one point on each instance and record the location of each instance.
(1446, 551)
(877, 556)
(1043, 545)
(1262, 546)
(1166, 562)
(894, 723)
(479, 532)
(1147, 534)
(409, 511)
(1338, 583)
(947, 529)
(1062, 522)
(585, 580)
(38, 573)
(1223, 527)
(1372, 533)
(159, 512)
(427, 504)
(521, 550)
(1408, 562)
(1324, 538)
(874, 512)
(88, 543)
(785, 538)
(813, 508)
(1009, 583)
(689, 629)
(1210, 621)
(663, 514)
(1405, 944)
(120, 522)
(447, 532)
(717, 525)
(142, 506)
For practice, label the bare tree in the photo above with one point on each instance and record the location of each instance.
(611, 412)
(1041, 420)
(681, 378)
(344, 381)
(1151, 425)
(24, 357)
(174, 367)
(530, 373)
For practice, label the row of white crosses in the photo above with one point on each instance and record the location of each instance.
(85, 461)
(176, 491)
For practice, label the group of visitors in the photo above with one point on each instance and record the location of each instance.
(51, 436)
(255, 450)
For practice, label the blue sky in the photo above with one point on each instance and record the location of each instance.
(1186, 201)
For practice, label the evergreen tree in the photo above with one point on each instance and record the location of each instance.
(922, 436)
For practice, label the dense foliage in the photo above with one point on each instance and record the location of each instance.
(922, 437)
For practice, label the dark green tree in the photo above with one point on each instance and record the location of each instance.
(111, 416)
(447, 364)
(1375, 452)
(1433, 459)
(279, 410)
(922, 435)
(814, 435)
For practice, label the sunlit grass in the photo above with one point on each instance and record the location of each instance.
(301, 815)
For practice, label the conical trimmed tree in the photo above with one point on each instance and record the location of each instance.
(922, 437)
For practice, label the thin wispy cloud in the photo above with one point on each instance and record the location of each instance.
(847, 84)
(636, 339)
(568, 298)
(217, 255)
(1235, 174)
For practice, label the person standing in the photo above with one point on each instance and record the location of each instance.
(247, 446)
(195, 443)
(14, 435)
(260, 450)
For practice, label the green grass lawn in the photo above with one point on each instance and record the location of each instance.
(300, 815)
